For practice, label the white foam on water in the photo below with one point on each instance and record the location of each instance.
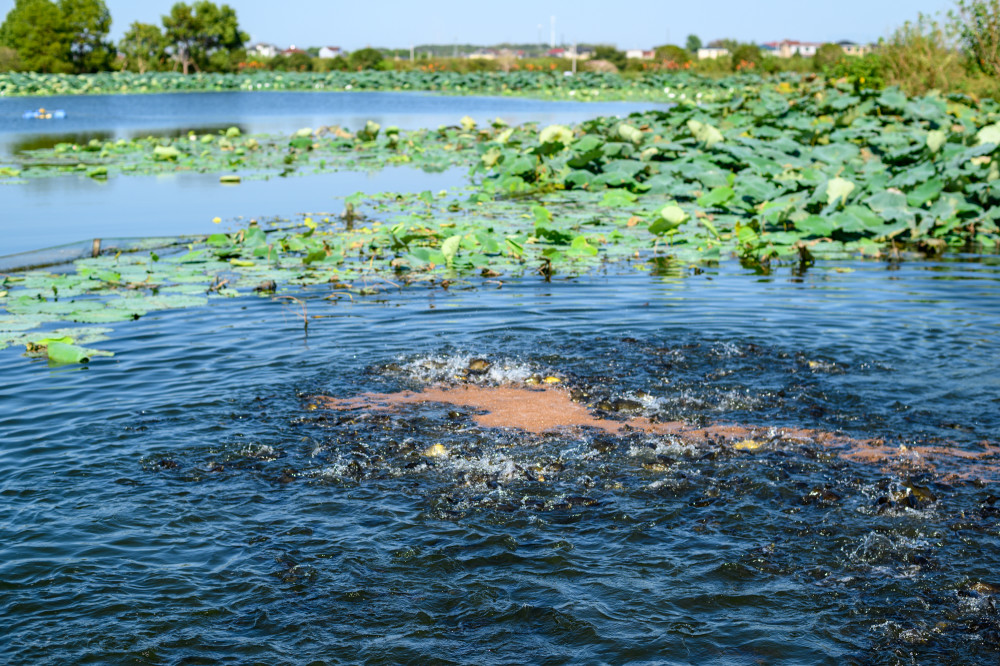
(436, 369)
(878, 549)
(664, 445)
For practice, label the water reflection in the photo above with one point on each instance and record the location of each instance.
(43, 212)
(25, 142)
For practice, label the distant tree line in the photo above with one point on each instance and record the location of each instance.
(71, 37)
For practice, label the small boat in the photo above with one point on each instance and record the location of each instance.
(43, 114)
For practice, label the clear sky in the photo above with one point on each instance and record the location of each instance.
(636, 24)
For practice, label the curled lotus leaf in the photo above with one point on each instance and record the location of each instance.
(989, 134)
(370, 131)
(449, 248)
(630, 133)
(556, 134)
(670, 218)
(166, 153)
(838, 189)
(65, 353)
(935, 140)
(705, 133)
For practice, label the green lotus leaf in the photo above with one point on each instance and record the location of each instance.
(717, 197)
(581, 247)
(618, 198)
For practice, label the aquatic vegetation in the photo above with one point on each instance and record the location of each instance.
(238, 157)
(784, 172)
(584, 85)
(770, 176)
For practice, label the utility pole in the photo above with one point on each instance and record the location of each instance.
(411, 53)
(574, 58)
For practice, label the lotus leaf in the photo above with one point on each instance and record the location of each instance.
(935, 140)
(63, 353)
(556, 134)
(838, 189)
(708, 135)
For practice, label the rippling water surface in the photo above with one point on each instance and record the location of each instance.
(183, 501)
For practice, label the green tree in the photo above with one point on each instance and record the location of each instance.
(826, 56)
(144, 47)
(366, 58)
(612, 55)
(746, 56)
(674, 54)
(203, 36)
(727, 43)
(9, 61)
(87, 22)
(977, 23)
(921, 56)
(35, 29)
(293, 62)
(336, 64)
(693, 43)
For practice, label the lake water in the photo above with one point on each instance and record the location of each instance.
(180, 503)
(190, 500)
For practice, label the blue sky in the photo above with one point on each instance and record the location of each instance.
(637, 24)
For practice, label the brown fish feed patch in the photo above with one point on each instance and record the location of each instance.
(549, 409)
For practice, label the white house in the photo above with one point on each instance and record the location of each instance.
(852, 49)
(263, 50)
(790, 47)
(483, 54)
(329, 52)
(640, 54)
(712, 53)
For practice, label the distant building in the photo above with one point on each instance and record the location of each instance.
(556, 53)
(712, 53)
(640, 54)
(329, 52)
(292, 50)
(853, 49)
(263, 50)
(787, 48)
(483, 54)
(579, 54)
